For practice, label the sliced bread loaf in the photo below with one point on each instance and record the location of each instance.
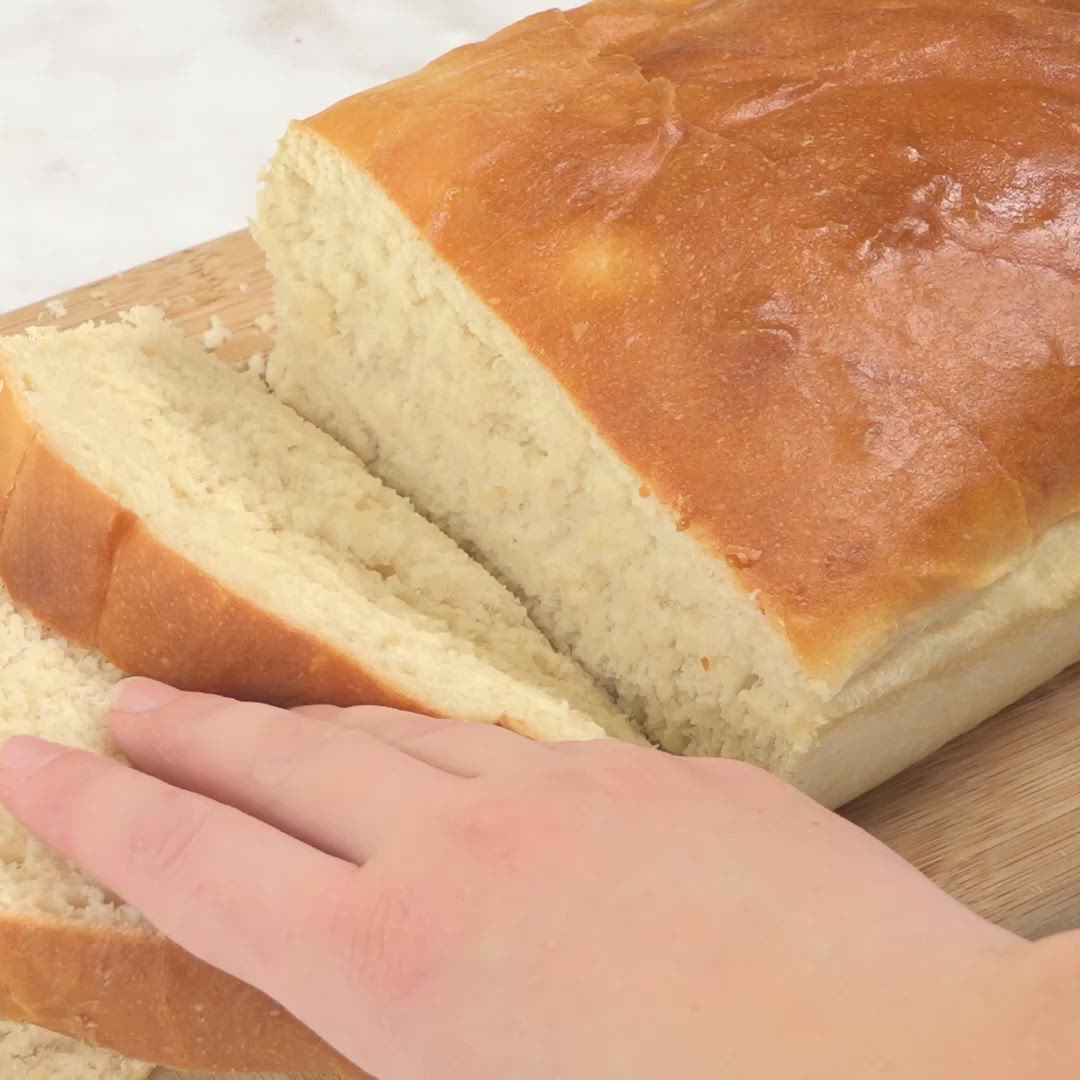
(173, 514)
(75, 959)
(721, 337)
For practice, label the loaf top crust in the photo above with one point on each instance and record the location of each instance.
(810, 267)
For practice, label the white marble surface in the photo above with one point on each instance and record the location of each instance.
(132, 128)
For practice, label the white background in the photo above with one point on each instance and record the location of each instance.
(132, 128)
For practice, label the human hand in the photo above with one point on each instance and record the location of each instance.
(440, 900)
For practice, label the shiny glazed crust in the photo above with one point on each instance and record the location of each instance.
(817, 289)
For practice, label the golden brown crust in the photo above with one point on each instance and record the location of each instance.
(59, 536)
(141, 996)
(819, 289)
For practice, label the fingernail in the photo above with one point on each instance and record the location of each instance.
(143, 695)
(25, 754)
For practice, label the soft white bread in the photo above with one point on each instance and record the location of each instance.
(75, 959)
(173, 514)
(31, 1053)
(744, 350)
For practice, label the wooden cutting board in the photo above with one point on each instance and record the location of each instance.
(994, 818)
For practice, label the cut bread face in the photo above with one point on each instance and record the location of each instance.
(76, 959)
(31, 1053)
(52, 689)
(172, 513)
(60, 692)
(375, 327)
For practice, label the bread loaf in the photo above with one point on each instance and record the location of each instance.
(741, 339)
(75, 959)
(171, 513)
(743, 349)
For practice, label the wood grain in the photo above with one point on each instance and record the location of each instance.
(994, 818)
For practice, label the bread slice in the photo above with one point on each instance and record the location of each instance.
(173, 514)
(75, 959)
(713, 334)
(31, 1053)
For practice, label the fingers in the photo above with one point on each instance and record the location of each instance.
(466, 750)
(232, 890)
(339, 789)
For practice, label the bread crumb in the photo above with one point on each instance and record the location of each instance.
(255, 364)
(97, 294)
(645, 491)
(265, 323)
(218, 333)
(244, 286)
(705, 663)
(56, 308)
